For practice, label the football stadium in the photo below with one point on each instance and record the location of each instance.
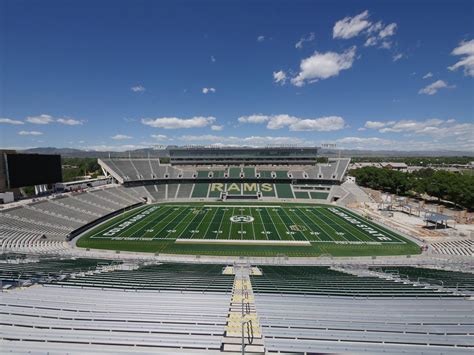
(219, 250)
(233, 177)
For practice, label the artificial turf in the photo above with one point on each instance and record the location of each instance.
(327, 230)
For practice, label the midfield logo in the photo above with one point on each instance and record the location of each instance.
(242, 219)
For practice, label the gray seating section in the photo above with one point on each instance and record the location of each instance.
(144, 169)
(91, 203)
(185, 190)
(58, 210)
(80, 318)
(459, 247)
(157, 191)
(137, 169)
(298, 174)
(341, 167)
(172, 189)
(315, 324)
(36, 226)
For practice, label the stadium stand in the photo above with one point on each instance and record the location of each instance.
(457, 247)
(138, 169)
(200, 190)
(164, 277)
(284, 191)
(187, 307)
(185, 190)
(48, 269)
(314, 324)
(325, 281)
(44, 226)
(446, 279)
(73, 321)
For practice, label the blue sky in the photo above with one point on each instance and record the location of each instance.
(130, 74)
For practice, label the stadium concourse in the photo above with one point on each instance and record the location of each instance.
(61, 298)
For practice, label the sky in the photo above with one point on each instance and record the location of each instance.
(119, 75)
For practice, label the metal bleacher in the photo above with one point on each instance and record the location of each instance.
(463, 281)
(314, 324)
(320, 310)
(73, 320)
(176, 307)
(316, 280)
(165, 277)
(43, 226)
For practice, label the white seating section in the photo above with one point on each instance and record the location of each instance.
(370, 325)
(170, 308)
(44, 226)
(137, 169)
(13, 241)
(461, 247)
(80, 320)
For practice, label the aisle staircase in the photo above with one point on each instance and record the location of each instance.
(242, 314)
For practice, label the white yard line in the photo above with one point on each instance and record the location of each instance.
(120, 221)
(209, 226)
(186, 228)
(263, 224)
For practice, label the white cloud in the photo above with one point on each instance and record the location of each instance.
(279, 77)
(311, 37)
(47, 119)
(375, 28)
(176, 123)
(213, 59)
(10, 121)
(433, 88)
(397, 57)
(69, 121)
(121, 137)
(280, 121)
(208, 90)
(434, 127)
(458, 143)
(386, 45)
(254, 119)
(243, 141)
(350, 27)
(374, 124)
(41, 119)
(159, 137)
(260, 38)
(428, 75)
(371, 41)
(388, 31)
(376, 141)
(465, 49)
(216, 127)
(379, 33)
(30, 133)
(116, 148)
(323, 65)
(138, 88)
(321, 124)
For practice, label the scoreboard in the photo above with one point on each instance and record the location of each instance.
(32, 169)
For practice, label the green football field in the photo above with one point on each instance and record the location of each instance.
(246, 229)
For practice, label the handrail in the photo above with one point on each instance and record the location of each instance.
(250, 335)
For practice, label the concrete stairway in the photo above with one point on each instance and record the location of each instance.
(242, 312)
